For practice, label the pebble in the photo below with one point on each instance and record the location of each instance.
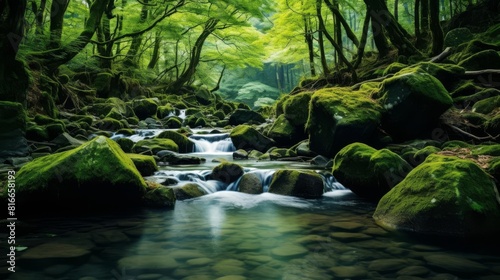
(349, 236)
(350, 272)
(144, 263)
(289, 251)
(454, 264)
(348, 226)
(199, 261)
(415, 270)
(385, 265)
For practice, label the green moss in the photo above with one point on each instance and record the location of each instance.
(370, 87)
(146, 165)
(246, 137)
(48, 105)
(45, 120)
(455, 144)
(283, 132)
(145, 108)
(368, 172)
(338, 117)
(85, 119)
(97, 173)
(159, 197)
(185, 145)
(494, 170)
(219, 114)
(296, 108)
(54, 130)
(457, 36)
(487, 59)
(37, 133)
(126, 131)
(155, 145)
(165, 111)
(188, 191)
(492, 125)
(465, 89)
(393, 68)
(491, 150)
(487, 105)
(442, 196)
(227, 172)
(126, 144)
(173, 122)
(114, 114)
(109, 124)
(298, 183)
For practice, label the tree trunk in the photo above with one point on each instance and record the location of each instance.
(57, 10)
(422, 38)
(379, 38)
(13, 76)
(435, 26)
(52, 59)
(396, 12)
(397, 34)
(310, 47)
(321, 44)
(132, 58)
(39, 17)
(335, 10)
(156, 51)
(362, 43)
(188, 73)
(338, 33)
(416, 21)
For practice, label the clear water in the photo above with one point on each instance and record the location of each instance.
(231, 235)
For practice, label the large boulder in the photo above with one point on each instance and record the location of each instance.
(96, 174)
(413, 103)
(227, 172)
(153, 146)
(487, 59)
(248, 138)
(185, 145)
(284, 133)
(445, 196)
(299, 183)
(243, 116)
(12, 130)
(296, 108)
(368, 172)
(339, 117)
(146, 165)
(145, 108)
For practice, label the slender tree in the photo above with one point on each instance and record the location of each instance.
(435, 27)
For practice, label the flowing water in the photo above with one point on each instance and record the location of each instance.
(232, 235)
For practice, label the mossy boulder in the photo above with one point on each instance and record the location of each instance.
(12, 130)
(165, 111)
(447, 74)
(188, 191)
(250, 183)
(227, 172)
(393, 68)
(368, 172)
(444, 196)
(457, 36)
(298, 183)
(36, 133)
(159, 197)
(487, 105)
(126, 144)
(173, 122)
(247, 138)
(146, 165)
(245, 116)
(494, 170)
(55, 129)
(339, 117)
(153, 146)
(487, 59)
(96, 174)
(109, 124)
(284, 133)
(204, 96)
(114, 114)
(492, 126)
(145, 108)
(172, 158)
(185, 145)
(104, 107)
(296, 108)
(413, 103)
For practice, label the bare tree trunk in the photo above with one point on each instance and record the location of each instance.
(362, 43)
(435, 26)
(132, 58)
(40, 12)
(335, 10)
(57, 10)
(326, 71)
(309, 40)
(156, 51)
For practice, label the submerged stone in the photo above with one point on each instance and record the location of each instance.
(455, 264)
(444, 196)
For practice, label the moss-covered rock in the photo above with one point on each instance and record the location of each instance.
(298, 183)
(12, 130)
(146, 165)
(338, 117)
(165, 111)
(250, 183)
(488, 105)
(185, 145)
(457, 36)
(448, 74)
(296, 108)
(173, 122)
(393, 68)
(204, 96)
(158, 196)
(492, 126)
(96, 174)
(487, 59)
(126, 144)
(36, 133)
(494, 170)
(114, 114)
(109, 124)
(284, 133)
(246, 137)
(188, 191)
(227, 172)
(172, 158)
(145, 108)
(444, 196)
(55, 129)
(368, 172)
(153, 146)
(244, 116)
(412, 104)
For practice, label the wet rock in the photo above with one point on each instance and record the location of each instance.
(240, 154)
(251, 184)
(227, 172)
(349, 236)
(349, 272)
(153, 146)
(145, 164)
(185, 145)
(55, 252)
(414, 271)
(109, 237)
(454, 264)
(386, 265)
(174, 158)
(444, 196)
(248, 138)
(144, 108)
(284, 133)
(159, 197)
(350, 226)
(244, 116)
(143, 263)
(305, 184)
(289, 251)
(188, 191)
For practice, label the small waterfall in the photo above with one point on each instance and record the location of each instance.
(142, 134)
(212, 143)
